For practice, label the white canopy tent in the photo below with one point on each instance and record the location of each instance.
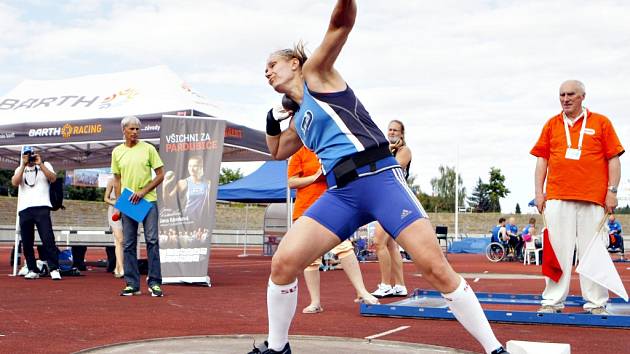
(75, 123)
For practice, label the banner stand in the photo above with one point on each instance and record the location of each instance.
(191, 149)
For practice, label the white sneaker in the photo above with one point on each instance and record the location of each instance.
(599, 311)
(399, 290)
(549, 309)
(42, 266)
(55, 275)
(383, 290)
(31, 275)
(23, 271)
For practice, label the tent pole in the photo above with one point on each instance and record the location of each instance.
(244, 254)
(457, 192)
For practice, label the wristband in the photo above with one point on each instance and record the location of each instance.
(273, 126)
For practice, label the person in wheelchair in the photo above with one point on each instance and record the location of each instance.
(498, 248)
(614, 233)
(361, 248)
(515, 240)
(499, 233)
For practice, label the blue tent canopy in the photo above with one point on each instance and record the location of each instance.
(268, 184)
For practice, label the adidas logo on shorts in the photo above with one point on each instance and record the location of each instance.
(405, 213)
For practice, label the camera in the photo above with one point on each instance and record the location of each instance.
(30, 152)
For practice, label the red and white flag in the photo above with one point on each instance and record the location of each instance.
(596, 265)
(550, 266)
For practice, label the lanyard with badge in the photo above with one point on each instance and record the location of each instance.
(574, 154)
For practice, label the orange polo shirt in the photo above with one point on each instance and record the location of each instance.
(585, 179)
(305, 163)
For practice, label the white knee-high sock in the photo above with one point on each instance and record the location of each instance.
(281, 303)
(467, 310)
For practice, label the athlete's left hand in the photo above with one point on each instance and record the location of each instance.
(280, 113)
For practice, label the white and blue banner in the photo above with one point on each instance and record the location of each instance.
(191, 150)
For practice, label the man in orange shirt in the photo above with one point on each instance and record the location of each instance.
(578, 155)
(305, 175)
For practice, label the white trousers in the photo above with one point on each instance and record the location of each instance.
(568, 222)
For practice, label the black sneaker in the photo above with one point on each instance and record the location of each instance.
(501, 350)
(156, 290)
(130, 291)
(263, 349)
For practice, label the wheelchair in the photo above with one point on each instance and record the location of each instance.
(500, 251)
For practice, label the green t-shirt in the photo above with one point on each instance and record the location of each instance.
(134, 165)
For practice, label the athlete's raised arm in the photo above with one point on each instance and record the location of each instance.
(319, 69)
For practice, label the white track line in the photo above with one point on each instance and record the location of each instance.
(401, 328)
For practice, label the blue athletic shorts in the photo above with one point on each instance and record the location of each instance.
(384, 197)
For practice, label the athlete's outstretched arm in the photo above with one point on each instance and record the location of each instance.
(285, 144)
(318, 69)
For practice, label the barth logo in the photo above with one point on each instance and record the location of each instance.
(119, 98)
(67, 130)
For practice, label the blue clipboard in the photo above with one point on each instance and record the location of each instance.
(135, 211)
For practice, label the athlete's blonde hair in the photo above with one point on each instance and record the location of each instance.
(298, 52)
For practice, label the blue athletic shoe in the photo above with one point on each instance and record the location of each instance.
(500, 351)
(264, 349)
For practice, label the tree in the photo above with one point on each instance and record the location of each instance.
(6, 188)
(480, 200)
(411, 182)
(444, 188)
(229, 175)
(623, 210)
(517, 210)
(496, 189)
(94, 194)
(431, 203)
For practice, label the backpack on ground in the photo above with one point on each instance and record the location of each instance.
(56, 194)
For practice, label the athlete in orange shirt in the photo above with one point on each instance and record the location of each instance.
(305, 175)
(578, 155)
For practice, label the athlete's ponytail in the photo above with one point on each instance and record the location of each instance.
(298, 52)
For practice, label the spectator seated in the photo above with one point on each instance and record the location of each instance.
(616, 243)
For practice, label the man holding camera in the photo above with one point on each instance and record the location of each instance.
(33, 180)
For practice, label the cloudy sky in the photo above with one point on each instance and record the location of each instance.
(478, 77)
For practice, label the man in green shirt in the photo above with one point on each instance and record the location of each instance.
(132, 163)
